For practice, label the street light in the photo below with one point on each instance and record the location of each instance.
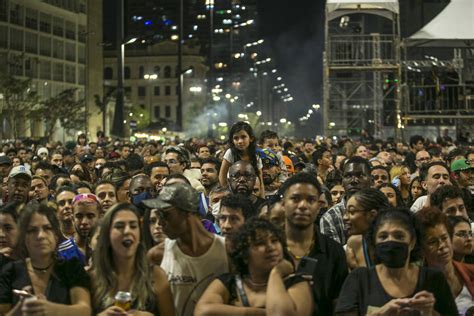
(179, 110)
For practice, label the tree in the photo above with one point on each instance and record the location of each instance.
(101, 103)
(140, 115)
(63, 108)
(18, 100)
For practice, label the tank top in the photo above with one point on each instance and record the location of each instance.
(189, 276)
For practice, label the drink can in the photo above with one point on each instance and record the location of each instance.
(123, 300)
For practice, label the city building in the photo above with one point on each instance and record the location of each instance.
(151, 82)
(50, 42)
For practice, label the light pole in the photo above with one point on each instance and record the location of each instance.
(118, 125)
(210, 83)
(179, 110)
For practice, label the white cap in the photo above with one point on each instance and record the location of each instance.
(43, 150)
(19, 170)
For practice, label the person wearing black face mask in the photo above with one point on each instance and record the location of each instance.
(395, 285)
(141, 189)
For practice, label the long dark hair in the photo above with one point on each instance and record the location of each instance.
(252, 150)
(24, 221)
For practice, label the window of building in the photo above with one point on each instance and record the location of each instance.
(16, 39)
(45, 46)
(108, 73)
(141, 91)
(176, 71)
(16, 66)
(167, 111)
(157, 111)
(126, 73)
(45, 23)
(58, 49)
(3, 36)
(70, 51)
(141, 72)
(167, 90)
(31, 19)
(81, 34)
(3, 10)
(81, 54)
(58, 71)
(70, 73)
(31, 42)
(45, 70)
(127, 91)
(16, 14)
(167, 72)
(58, 26)
(31, 65)
(156, 90)
(70, 30)
(156, 70)
(177, 90)
(81, 78)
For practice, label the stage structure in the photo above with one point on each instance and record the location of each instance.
(362, 69)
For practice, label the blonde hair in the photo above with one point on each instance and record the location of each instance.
(396, 171)
(104, 271)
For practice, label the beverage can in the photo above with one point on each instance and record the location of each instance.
(123, 300)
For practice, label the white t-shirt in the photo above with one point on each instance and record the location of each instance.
(230, 158)
(190, 276)
(419, 203)
(464, 301)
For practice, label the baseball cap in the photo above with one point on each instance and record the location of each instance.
(4, 160)
(86, 158)
(268, 157)
(180, 195)
(20, 171)
(460, 165)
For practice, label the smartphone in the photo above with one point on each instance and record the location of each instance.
(307, 266)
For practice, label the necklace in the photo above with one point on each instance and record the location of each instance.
(254, 284)
(306, 252)
(42, 270)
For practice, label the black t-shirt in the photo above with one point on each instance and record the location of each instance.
(331, 271)
(363, 292)
(65, 276)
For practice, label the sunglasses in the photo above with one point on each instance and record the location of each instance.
(85, 196)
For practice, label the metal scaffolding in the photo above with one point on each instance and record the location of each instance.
(361, 69)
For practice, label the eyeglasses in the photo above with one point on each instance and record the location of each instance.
(434, 243)
(464, 234)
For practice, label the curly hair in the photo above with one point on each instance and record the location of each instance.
(242, 240)
(427, 218)
(399, 216)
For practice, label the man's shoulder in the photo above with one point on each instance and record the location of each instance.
(331, 246)
(335, 210)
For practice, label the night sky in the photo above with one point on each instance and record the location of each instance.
(295, 31)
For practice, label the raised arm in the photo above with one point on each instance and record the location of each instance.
(214, 303)
(297, 300)
(223, 172)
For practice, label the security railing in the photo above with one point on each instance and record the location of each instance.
(362, 50)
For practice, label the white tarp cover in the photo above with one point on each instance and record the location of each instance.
(452, 27)
(390, 5)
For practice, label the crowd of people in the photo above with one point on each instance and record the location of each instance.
(256, 225)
